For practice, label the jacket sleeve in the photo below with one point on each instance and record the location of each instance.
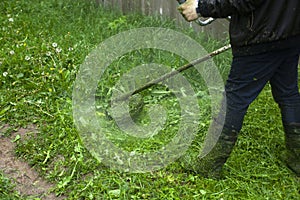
(225, 8)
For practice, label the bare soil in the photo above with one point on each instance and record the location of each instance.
(25, 177)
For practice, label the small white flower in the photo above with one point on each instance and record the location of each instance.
(27, 58)
(12, 52)
(11, 19)
(5, 74)
(58, 50)
(48, 53)
(71, 49)
(132, 153)
(54, 45)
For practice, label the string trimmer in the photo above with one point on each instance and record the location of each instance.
(137, 101)
(172, 73)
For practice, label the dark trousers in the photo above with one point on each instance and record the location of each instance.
(249, 75)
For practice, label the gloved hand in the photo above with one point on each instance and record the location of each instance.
(188, 10)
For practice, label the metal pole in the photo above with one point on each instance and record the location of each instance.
(172, 73)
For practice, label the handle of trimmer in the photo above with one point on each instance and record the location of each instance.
(200, 21)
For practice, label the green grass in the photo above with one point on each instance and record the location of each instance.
(42, 45)
(7, 188)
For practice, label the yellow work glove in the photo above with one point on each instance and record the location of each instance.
(188, 10)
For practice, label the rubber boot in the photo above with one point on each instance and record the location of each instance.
(213, 162)
(210, 165)
(292, 141)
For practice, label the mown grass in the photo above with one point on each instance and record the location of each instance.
(42, 46)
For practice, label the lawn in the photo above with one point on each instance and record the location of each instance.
(42, 46)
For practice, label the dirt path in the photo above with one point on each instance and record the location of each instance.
(27, 180)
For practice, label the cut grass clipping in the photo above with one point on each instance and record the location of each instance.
(42, 45)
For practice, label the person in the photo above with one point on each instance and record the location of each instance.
(265, 40)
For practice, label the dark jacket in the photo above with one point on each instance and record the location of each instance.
(257, 25)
